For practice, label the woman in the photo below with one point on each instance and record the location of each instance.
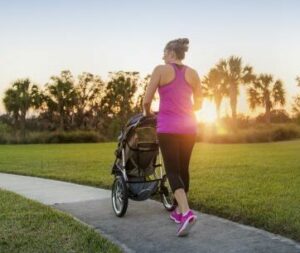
(176, 123)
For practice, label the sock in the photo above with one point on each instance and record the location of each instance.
(177, 210)
(184, 214)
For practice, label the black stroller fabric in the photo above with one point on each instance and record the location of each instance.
(141, 151)
(141, 190)
(140, 143)
(140, 146)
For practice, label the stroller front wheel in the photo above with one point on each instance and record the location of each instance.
(119, 196)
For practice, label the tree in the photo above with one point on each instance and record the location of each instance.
(267, 93)
(296, 104)
(215, 88)
(60, 97)
(120, 91)
(234, 75)
(141, 90)
(118, 103)
(19, 99)
(89, 91)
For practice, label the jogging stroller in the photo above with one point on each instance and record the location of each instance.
(138, 168)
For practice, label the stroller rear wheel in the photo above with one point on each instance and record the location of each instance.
(119, 196)
(166, 195)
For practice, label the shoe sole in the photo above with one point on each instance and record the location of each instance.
(187, 227)
(173, 219)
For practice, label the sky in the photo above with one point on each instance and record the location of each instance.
(38, 39)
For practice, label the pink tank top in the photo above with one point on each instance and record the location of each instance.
(176, 113)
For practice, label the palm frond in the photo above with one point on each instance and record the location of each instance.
(278, 93)
(298, 80)
(254, 98)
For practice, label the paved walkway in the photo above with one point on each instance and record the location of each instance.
(146, 227)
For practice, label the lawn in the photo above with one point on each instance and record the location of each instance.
(27, 226)
(255, 184)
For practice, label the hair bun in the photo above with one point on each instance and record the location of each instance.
(185, 43)
(180, 46)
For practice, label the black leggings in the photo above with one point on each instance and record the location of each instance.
(176, 151)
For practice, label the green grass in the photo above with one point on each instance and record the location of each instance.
(27, 226)
(255, 184)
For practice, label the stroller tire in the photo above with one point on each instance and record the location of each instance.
(167, 198)
(119, 196)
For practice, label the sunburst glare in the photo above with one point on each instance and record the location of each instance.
(207, 113)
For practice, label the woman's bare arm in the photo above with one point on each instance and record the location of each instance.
(150, 90)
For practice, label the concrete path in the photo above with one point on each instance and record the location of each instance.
(146, 226)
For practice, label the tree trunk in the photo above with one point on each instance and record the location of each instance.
(61, 120)
(16, 121)
(218, 101)
(233, 101)
(22, 125)
(268, 113)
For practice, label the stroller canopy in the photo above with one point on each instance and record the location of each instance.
(140, 143)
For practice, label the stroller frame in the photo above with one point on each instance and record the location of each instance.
(124, 186)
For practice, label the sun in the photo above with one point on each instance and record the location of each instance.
(207, 113)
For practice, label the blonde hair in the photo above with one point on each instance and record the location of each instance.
(179, 47)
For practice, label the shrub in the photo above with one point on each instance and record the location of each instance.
(4, 128)
(75, 136)
(52, 137)
(258, 133)
(285, 133)
(276, 116)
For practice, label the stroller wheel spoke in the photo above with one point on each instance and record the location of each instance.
(119, 196)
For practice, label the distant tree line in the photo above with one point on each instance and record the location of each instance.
(66, 103)
(88, 103)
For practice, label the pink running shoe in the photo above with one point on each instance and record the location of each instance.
(187, 222)
(176, 216)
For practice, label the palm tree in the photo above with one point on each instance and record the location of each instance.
(267, 93)
(60, 96)
(215, 88)
(235, 74)
(19, 99)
